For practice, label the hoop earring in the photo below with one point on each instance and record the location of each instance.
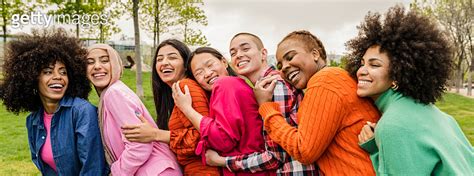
(35, 92)
(394, 85)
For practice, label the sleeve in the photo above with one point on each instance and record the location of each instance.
(32, 140)
(89, 142)
(271, 158)
(135, 153)
(255, 162)
(183, 141)
(222, 131)
(398, 151)
(319, 116)
(369, 146)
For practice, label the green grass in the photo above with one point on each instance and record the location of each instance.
(461, 108)
(15, 156)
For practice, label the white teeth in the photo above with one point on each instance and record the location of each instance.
(55, 86)
(98, 74)
(292, 75)
(242, 63)
(212, 80)
(167, 70)
(364, 82)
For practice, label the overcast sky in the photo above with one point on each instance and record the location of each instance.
(333, 21)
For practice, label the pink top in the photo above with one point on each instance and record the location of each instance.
(120, 104)
(46, 150)
(234, 126)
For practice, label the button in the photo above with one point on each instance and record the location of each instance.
(42, 137)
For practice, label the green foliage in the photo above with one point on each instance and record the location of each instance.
(191, 14)
(157, 16)
(10, 8)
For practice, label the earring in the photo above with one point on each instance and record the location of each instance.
(394, 85)
(35, 91)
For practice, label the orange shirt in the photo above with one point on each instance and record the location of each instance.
(331, 116)
(184, 137)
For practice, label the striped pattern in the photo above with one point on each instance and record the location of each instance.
(184, 137)
(330, 116)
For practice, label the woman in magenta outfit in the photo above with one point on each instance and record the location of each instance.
(234, 126)
(119, 105)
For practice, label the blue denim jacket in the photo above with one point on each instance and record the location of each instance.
(75, 139)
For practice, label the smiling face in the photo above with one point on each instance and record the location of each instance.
(373, 74)
(296, 64)
(246, 57)
(52, 83)
(207, 68)
(99, 69)
(169, 65)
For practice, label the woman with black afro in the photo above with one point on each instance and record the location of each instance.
(403, 63)
(45, 73)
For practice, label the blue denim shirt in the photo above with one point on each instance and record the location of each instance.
(75, 139)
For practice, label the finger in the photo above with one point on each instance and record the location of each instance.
(360, 138)
(371, 124)
(131, 136)
(178, 90)
(129, 127)
(142, 119)
(186, 90)
(130, 132)
(266, 81)
(272, 85)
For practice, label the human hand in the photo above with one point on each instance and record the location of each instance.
(263, 89)
(143, 132)
(182, 100)
(367, 132)
(214, 159)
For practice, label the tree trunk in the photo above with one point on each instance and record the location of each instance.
(469, 82)
(137, 49)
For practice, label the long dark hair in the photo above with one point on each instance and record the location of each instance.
(211, 51)
(164, 102)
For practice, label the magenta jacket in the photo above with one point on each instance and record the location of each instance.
(234, 126)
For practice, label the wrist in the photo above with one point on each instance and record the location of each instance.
(222, 161)
(157, 133)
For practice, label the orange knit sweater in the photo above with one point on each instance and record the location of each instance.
(184, 137)
(331, 116)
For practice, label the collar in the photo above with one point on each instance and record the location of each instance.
(66, 101)
(386, 99)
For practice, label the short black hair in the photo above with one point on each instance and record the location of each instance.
(28, 55)
(418, 50)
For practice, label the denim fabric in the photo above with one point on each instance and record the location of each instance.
(75, 139)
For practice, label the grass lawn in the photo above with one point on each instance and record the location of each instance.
(15, 156)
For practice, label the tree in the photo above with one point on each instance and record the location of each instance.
(190, 14)
(10, 9)
(137, 48)
(70, 9)
(456, 16)
(157, 16)
(105, 28)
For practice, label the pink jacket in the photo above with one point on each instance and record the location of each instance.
(133, 158)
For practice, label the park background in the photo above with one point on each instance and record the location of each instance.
(213, 23)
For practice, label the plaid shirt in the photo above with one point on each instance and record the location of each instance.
(274, 156)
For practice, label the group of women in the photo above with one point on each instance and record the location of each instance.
(376, 117)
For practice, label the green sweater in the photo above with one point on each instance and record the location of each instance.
(416, 139)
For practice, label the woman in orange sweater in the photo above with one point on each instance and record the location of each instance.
(170, 63)
(331, 114)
